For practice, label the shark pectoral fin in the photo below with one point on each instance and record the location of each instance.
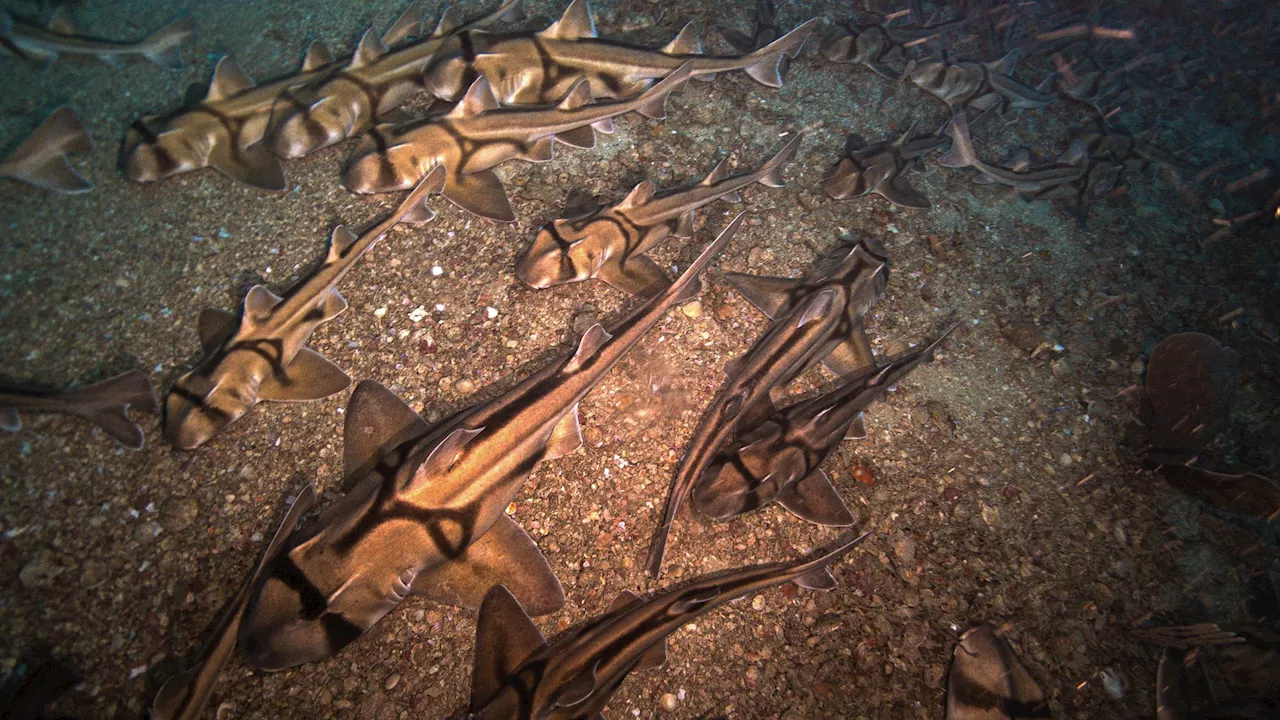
(814, 499)
(901, 193)
(624, 601)
(540, 150)
(820, 579)
(592, 340)
(309, 377)
(653, 658)
(851, 358)
(505, 636)
(566, 436)
(377, 421)
(857, 429)
(480, 194)
(503, 556)
(582, 137)
(769, 295)
(215, 327)
(251, 166)
(638, 276)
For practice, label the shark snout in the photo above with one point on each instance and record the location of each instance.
(545, 264)
(191, 420)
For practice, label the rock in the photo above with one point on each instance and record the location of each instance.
(693, 309)
(905, 548)
(179, 513)
(757, 603)
(1023, 335)
(392, 681)
(42, 571)
(892, 348)
(584, 319)
(670, 702)
(465, 386)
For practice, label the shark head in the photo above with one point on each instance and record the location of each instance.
(149, 155)
(558, 255)
(450, 78)
(297, 128)
(199, 407)
(379, 164)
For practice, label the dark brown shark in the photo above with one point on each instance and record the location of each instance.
(610, 244)
(817, 318)
(988, 682)
(41, 159)
(62, 37)
(261, 354)
(881, 168)
(518, 674)
(780, 459)
(427, 513)
(104, 404)
(764, 29)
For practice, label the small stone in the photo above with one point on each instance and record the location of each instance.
(1065, 459)
(465, 386)
(693, 309)
(1060, 367)
(670, 702)
(417, 314)
(951, 494)
(380, 311)
(892, 348)
(392, 681)
(757, 603)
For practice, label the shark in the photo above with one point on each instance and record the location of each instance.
(1022, 177)
(426, 513)
(478, 135)
(518, 674)
(223, 127)
(871, 45)
(261, 354)
(537, 68)
(988, 682)
(41, 159)
(610, 244)
(780, 459)
(982, 85)
(62, 37)
(765, 29)
(817, 318)
(336, 106)
(881, 168)
(104, 404)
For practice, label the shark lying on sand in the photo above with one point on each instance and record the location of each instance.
(764, 29)
(780, 459)
(427, 511)
(881, 168)
(41, 159)
(988, 682)
(103, 404)
(610, 244)
(262, 354)
(817, 318)
(223, 127)
(62, 37)
(517, 674)
(981, 86)
(1021, 176)
(541, 67)
(872, 45)
(478, 135)
(341, 105)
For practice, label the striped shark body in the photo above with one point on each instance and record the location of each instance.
(477, 136)
(518, 675)
(338, 106)
(610, 244)
(62, 37)
(536, 68)
(262, 354)
(881, 168)
(104, 404)
(427, 512)
(41, 159)
(224, 128)
(1071, 167)
(780, 459)
(817, 318)
(988, 682)
(982, 86)
(871, 45)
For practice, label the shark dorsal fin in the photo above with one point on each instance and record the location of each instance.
(62, 22)
(566, 436)
(624, 601)
(341, 240)
(685, 43)
(408, 25)
(576, 23)
(1006, 64)
(1076, 153)
(449, 22)
(259, 302)
(377, 421)
(639, 195)
(578, 95)
(592, 340)
(576, 690)
(818, 307)
(228, 79)
(370, 49)
(718, 173)
(504, 637)
(479, 99)
(653, 658)
(316, 57)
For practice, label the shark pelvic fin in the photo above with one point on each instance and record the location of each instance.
(41, 159)
(228, 79)
(684, 224)
(566, 436)
(768, 69)
(605, 126)
(540, 150)
(852, 358)
(317, 56)
(216, 327)
(310, 376)
(902, 193)
(769, 295)
(857, 429)
(408, 25)
(505, 636)
(653, 658)
(480, 194)
(581, 137)
(252, 166)
(377, 422)
(575, 24)
(685, 43)
(637, 275)
(592, 340)
(814, 499)
(370, 49)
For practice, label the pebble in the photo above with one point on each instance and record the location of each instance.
(693, 309)
(392, 681)
(757, 603)
(670, 702)
(465, 386)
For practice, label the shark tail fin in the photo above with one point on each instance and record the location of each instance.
(771, 172)
(815, 574)
(767, 68)
(961, 153)
(41, 159)
(164, 47)
(653, 103)
(104, 404)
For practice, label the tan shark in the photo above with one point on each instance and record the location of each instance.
(611, 244)
(517, 674)
(817, 318)
(780, 459)
(41, 159)
(62, 37)
(104, 404)
(1071, 167)
(337, 106)
(262, 354)
(223, 129)
(427, 512)
(982, 86)
(881, 168)
(538, 68)
(477, 136)
(871, 45)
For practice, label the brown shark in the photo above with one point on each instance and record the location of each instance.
(881, 168)
(517, 674)
(103, 404)
(537, 68)
(477, 136)
(817, 318)
(62, 37)
(982, 86)
(610, 244)
(224, 128)
(871, 45)
(988, 682)
(428, 512)
(262, 354)
(780, 459)
(41, 159)
(765, 29)
(1070, 168)
(337, 106)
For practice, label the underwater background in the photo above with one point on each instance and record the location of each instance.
(1000, 482)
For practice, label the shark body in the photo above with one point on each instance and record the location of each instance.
(764, 29)
(1071, 167)
(41, 159)
(881, 168)
(103, 404)
(872, 45)
(62, 37)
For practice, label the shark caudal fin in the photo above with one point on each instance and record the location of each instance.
(767, 68)
(164, 47)
(104, 404)
(770, 173)
(653, 102)
(961, 153)
(41, 159)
